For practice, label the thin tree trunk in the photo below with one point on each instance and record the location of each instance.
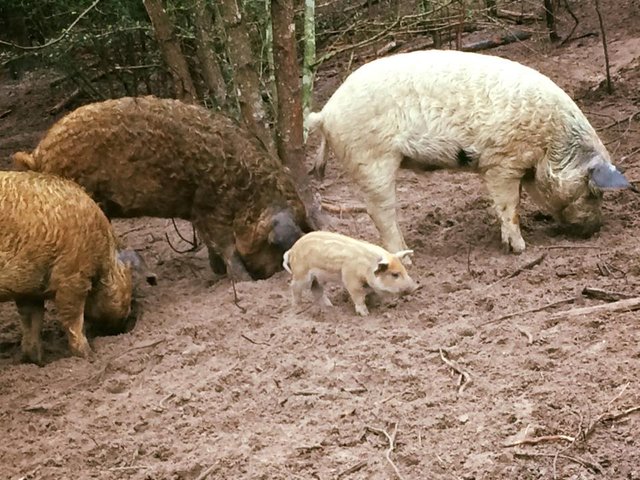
(492, 8)
(171, 51)
(245, 75)
(268, 46)
(309, 55)
(550, 16)
(289, 119)
(289, 138)
(204, 50)
(604, 47)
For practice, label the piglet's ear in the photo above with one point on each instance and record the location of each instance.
(605, 175)
(403, 253)
(383, 265)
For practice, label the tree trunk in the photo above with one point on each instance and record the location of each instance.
(309, 55)
(245, 74)
(550, 16)
(289, 118)
(204, 50)
(171, 52)
(289, 138)
(492, 8)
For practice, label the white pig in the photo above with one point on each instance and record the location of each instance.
(318, 257)
(446, 109)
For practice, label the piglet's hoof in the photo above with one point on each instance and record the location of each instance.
(516, 246)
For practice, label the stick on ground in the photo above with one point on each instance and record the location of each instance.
(350, 470)
(536, 440)
(392, 445)
(591, 466)
(529, 310)
(605, 295)
(526, 266)
(628, 305)
(465, 377)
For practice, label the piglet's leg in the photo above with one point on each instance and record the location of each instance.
(355, 286)
(504, 188)
(319, 294)
(378, 182)
(298, 285)
(32, 313)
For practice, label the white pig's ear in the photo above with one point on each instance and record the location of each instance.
(383, 265)
(403, 253)
(606, 175)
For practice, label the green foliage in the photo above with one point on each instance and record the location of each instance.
(112, 36)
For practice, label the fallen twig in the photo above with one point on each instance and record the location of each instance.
(591, 466)
(350, 470)
(530, 310)
(62, 104)
(392, 444)
(236, 300)
(340, 209)
(253, 341)
(518, 271)
(536, 440)
(496, 41)
(205, 473)
(552, 247)
(5, 113)
(609, 417)
(130, 467)
(193, 243)
(517, 17)
(526, 333)
(160, 406)
(393, 395)
(465, 376)
(605, 295)
(629, 119)
(628, 305)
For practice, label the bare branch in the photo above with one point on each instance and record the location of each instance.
(55, 40)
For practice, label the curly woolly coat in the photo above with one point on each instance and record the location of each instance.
(449, 109)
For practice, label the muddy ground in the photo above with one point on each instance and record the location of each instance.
(204, 388)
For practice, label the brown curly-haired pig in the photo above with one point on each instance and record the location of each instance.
(146, 156)
(57, 244)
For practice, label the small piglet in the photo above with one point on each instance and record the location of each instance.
(318, 257)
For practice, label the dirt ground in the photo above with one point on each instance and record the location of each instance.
(204, 388)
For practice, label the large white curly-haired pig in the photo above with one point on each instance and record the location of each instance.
(448, 109)
(147, 156)
(57, 244)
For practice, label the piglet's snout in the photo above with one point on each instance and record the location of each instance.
(410, 286)
(401, 285)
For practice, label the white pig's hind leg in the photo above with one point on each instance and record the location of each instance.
(377, 179)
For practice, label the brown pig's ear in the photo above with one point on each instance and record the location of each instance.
(284, 230)
(135, 261)
(383, 265)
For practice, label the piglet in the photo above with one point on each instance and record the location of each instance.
(318, 257)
